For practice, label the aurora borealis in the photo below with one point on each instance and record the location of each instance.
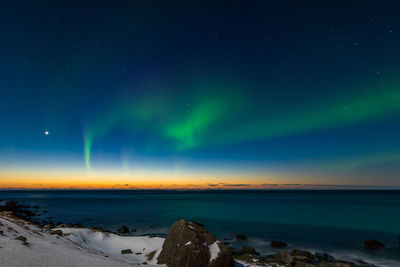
(179, 94)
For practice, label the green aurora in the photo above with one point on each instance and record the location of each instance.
(218, 119)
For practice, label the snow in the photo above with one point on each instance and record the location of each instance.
(247, 264)
(112, 244)
(79, 247)
(43, 249)
(214, 250)
(188, 243)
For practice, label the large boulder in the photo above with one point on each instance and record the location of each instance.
(189, 244)
(283, 257)
(278, 244)
(123, 229)
(373, 244)
(248, 249)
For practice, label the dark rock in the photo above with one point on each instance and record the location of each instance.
(187, 245)
(323, 256)
(9, 206)
(48, 226)
(299, 252)
(278, 244)
(20, 210)
(22, 238)
(283, 257)
(248, 249)
(150, 255)
(64, 225)
(126, 251)
(133, 230)
(241, 237)
(138, 253)
(123, 229)
(270, 259)
(373, 244)
(1, 232)
(97, 229)
(56, 232)
(398, 239)
(250, 259)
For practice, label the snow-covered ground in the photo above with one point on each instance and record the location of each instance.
(79, 247)
(112, 244)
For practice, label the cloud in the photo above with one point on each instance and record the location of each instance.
(235, 184)
(212, 184)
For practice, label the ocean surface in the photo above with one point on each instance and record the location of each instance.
(334, 221)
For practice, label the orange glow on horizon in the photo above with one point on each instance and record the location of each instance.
(108, 179)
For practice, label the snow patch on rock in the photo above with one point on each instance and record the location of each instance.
(214, 250)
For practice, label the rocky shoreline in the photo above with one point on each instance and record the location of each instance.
(190, 244)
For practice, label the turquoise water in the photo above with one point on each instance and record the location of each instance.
(333, 221)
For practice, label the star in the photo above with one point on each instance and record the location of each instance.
(46, 132)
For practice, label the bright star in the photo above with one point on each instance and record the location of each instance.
(46, 132)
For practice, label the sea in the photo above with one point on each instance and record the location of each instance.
(332, 221)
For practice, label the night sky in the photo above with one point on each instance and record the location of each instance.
(199, 94)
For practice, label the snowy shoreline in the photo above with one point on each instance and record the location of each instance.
(25, 243)
(77, 246)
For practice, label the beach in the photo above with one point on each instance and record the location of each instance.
(91, 234)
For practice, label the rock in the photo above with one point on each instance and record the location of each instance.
(300, 259)
(97, 229)
(250, 259)
(300, 264)
(9, 206)
(283, 257)
(133, 230)
(56, 232)
(373, 244)
(334, 264)
(248, 249)
(191, 245)
(22, 238)
(63, 225)
(1, 232)
(47, 226)
(323, 256)
(278, 244)
(126, 251)
(298, 252)
(241, 237)
(150, 255)
(123, 229)
(270, 259)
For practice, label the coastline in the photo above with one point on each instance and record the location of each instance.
(90, 243)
